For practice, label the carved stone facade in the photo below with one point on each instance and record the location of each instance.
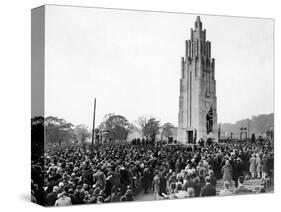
(197, 116)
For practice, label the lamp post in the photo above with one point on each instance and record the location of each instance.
(243, 130)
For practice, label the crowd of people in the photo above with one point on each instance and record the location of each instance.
(119, 172)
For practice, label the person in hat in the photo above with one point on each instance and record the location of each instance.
(197, 187)
(145, 180)
(70, 194)
(190, 192)
(99, 178)
(188, 182)
(253, 164)
(61, 187)
(237, 168)
(163, 184)
(227, 171)
(63, 200)
(264, 167)
(172, 178)
(213, 178)
(78, 197)
(258, 165)
(156, 186)
(208, 189)
(52, 197)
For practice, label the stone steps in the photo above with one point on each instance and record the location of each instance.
(253, 184)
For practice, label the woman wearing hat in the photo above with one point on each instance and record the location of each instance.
(253, 166)
(258, 165)
(264, 167)
(156, 186)
(227, 172)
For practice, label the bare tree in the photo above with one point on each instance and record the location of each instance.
(149, 127)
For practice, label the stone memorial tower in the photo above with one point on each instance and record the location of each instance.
(197, 117)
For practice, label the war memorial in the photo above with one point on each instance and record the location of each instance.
(119, 159)
(197, 117)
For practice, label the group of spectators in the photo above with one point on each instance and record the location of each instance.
(117, 172)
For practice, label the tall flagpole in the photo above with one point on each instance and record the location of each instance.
(248, 128)
(93, 132)
(219, 133)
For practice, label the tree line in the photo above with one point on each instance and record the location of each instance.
(260, 124)
(114, 127)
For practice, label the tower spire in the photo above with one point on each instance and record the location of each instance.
(198, 23)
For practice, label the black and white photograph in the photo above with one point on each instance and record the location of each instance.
(139, 105)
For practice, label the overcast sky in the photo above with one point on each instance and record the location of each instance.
(130, 61)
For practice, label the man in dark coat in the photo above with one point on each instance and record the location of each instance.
(189, 183)
(124, 179)
(197, 187)
(213, 179)
(52, 197)
(87, 176)
(99, 178)
(163, 185)
(208, 189)
(145, 180)
(237, 171)
(78, 196)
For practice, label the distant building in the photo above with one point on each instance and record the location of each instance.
(197, 117)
